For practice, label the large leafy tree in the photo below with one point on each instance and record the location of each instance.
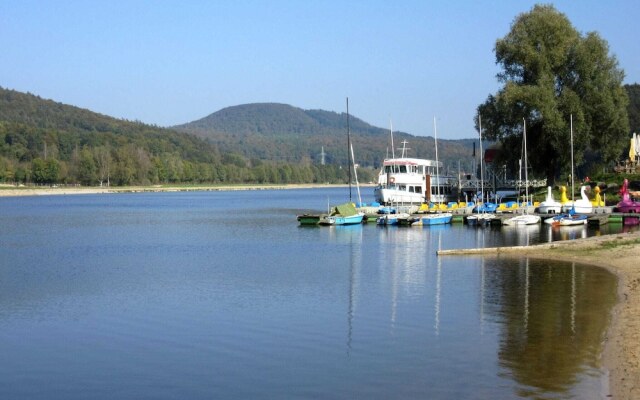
(552, 74)
(633, 91)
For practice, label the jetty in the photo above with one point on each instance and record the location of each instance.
(600, 215)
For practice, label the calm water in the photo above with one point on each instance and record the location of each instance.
(223, 295)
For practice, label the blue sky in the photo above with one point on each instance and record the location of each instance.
(171, 62)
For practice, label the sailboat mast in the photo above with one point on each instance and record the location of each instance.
(571, 133)
(481, 161)
(435, 134)
(393, 151)
(526, 177)
(355, 175)
(348, 148)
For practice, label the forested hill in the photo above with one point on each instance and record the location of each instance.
(282, 132)
(43, 141)
(46, 142)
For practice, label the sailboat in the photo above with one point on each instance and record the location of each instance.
(346, 214)
(524, 219)
(482, 218)
(572, 217)
(439, 218)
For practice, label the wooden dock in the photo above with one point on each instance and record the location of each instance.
(600, 215)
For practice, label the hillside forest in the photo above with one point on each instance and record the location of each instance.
(43, 142)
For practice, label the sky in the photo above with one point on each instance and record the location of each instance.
(400, 63)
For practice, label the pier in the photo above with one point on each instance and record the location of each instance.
(600, 215)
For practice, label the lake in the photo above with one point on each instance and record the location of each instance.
(200, 295)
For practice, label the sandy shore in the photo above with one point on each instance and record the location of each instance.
(620, 254)
(13, 191)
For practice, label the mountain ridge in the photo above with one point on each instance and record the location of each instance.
(301, 134)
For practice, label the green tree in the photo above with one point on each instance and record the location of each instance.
(6, 170)
(550, 73)
(52, 170)
(87, 170)
(103, 159)
(38, 171)
(633, 91)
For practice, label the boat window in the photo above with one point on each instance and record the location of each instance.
(411, 189)
(402, 187)
(419, 189)
(403, 169)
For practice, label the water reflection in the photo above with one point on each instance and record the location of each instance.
(552, 327)
(151, 291)
(522, 235)
(566, 232)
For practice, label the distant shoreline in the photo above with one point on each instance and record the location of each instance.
(13, 191)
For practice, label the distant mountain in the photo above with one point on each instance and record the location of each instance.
(85, 127)
(44, 142)
(283, 132)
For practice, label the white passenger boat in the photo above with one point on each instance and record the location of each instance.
(406, 180)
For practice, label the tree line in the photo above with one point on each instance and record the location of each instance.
(30, 155)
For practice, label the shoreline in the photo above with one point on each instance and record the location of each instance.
(619, 254)
(13, 191)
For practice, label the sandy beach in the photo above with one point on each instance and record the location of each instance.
(620, 254)
(13, 191)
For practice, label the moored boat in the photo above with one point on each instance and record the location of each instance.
(581, 206)
(569, 219)
(346, 214)
(406, 180)
(480, 219)
(436, 219)
(526, 219)
(343, 214)
(627, 205)
(309, 219)
(550, 205)
(392, 219)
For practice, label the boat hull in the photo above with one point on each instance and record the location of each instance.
(341, 220)
(309, 219)
(629, 207)
(396, 196)
(392, 219)
(567, 220)
(480, 220)
(436, 219)
(579, 208)
(550, 209)
(522, 220)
